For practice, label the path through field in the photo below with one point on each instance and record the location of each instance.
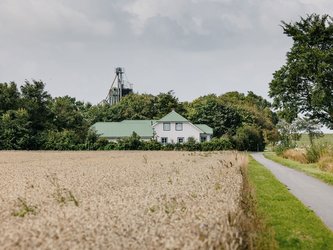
(315, 194)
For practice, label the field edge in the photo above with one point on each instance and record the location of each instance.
(293, 225)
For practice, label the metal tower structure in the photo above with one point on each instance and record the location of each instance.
(118, 87)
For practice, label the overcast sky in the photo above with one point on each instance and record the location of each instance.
(193, 47)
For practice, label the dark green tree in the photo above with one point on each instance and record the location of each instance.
(67, 114)
(304, 85)
(37, 103)
(211, 111)
(15, 129)
(249, 138)
(166, 102)
(9, 97)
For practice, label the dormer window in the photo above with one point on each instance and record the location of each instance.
(166, 126)
(179, 126)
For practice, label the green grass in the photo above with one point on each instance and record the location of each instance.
(310, 169)
(294, 225)
(326, 139)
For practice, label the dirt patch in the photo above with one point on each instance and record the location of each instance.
(120, 200)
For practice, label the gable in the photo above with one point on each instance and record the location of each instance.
(173, 116)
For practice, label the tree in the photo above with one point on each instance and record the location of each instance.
(254, 110)
(9, 97)
(304, 85)
(134, 107)
(165, 103)
(15, 129)
(310, 127)
(36, 101)
(289, 133)
(249, 138)
(211, 111)
(67, 115)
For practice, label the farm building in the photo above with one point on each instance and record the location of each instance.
(172, 128)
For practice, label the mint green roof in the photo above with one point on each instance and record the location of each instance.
(150, 122)
(124, 129)
(173, 116)
(204, 128)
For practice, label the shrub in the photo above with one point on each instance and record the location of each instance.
(101, 143)
(61, 140)
(326, 163)
(217, 144)
(295, 155)
(131, 143)
(152, 145)
(314, 152)
(191, 145)
(111, 146)
(168, 147)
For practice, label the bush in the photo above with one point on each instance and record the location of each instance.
(111, 146)
(152, 145)
(314, 152)
(191, 145)
(131, 143)
(168, 147)
(217, 144)
(61, 140)
(295, 155)
(101, 143)
(280, 149)
(326, 163)
(249, 138)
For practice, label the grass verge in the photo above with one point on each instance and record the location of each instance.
(294, 225)
(310, 169)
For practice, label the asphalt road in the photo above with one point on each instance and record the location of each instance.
(315, 194)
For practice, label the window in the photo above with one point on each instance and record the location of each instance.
(180, 139)
(203, 138)
(179, 126)
(166, 126)
(164, 140)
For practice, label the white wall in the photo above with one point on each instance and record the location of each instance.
(188, 131)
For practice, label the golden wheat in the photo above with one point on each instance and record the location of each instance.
(120, 200)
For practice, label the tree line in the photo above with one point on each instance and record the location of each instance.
(31, 119)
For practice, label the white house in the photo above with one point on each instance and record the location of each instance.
(172, 128)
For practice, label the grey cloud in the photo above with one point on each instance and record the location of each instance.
(192, 46)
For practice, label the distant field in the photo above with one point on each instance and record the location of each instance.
(120, 200)
(304, 141)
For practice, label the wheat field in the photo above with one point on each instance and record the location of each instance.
(120, 200)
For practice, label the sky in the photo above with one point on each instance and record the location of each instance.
(193, 47)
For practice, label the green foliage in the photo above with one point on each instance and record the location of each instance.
(169, 147)
(152, 145)
(32, 119)
(67, 114)
(131, 143)
(249, 138)
(217, 144)
(9, 97)
(289, 133)
(61, 140)
(191, 145)
(211, 111)
(314, 152)
(304, 84)
(15, 129)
